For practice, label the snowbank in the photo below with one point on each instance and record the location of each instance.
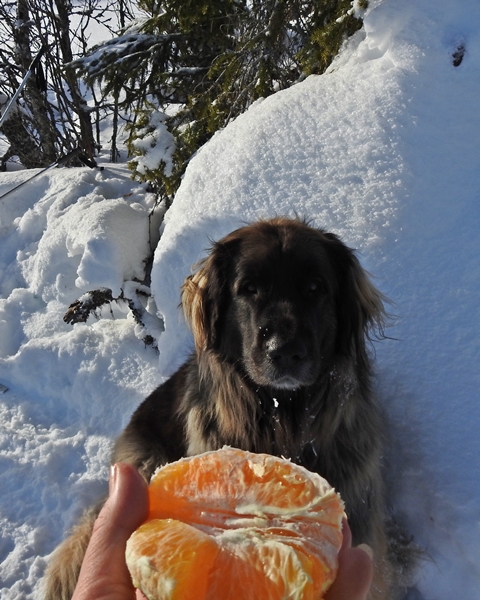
(382, 150)
(70, 389)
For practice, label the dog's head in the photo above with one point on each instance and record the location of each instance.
(281, 300)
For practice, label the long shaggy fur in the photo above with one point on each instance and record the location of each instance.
(281, 314)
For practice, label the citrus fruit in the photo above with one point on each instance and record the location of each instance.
(234, 525)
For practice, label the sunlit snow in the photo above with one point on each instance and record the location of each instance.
(382, 150)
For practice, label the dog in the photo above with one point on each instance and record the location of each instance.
(282, 315)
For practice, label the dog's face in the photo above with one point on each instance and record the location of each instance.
(281, 311)
(280, 299)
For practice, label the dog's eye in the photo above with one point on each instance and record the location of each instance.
(313, 287)
(249, 288)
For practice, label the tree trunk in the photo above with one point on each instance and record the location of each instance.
(34, 98)
(22, 144)
(63, 27)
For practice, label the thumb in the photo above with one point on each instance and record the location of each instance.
(104, 574)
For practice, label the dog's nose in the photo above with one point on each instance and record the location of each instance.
(286, 355)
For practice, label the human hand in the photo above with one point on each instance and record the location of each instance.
(104, 574)
(355, 570)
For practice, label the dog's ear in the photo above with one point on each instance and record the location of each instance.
(206, 293)
(372, 316)
(193, 306)
(360, 306)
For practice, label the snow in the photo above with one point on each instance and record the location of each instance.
(383, 151)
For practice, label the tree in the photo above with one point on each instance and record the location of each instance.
(52, 116)
(202, 63)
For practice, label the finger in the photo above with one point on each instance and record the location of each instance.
(104, 574)
(354, 577)
(355, 570)
(347, 535)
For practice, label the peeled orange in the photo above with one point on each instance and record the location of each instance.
(233, 525)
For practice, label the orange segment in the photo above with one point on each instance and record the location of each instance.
(253, 566)
(235, 525)
(230, 482)
(176, 559)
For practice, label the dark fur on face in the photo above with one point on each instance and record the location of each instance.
(281, 314)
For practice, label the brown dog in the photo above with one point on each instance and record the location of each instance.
(281, 314)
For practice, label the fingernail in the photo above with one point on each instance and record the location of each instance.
(366, 549)
(113, 480)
